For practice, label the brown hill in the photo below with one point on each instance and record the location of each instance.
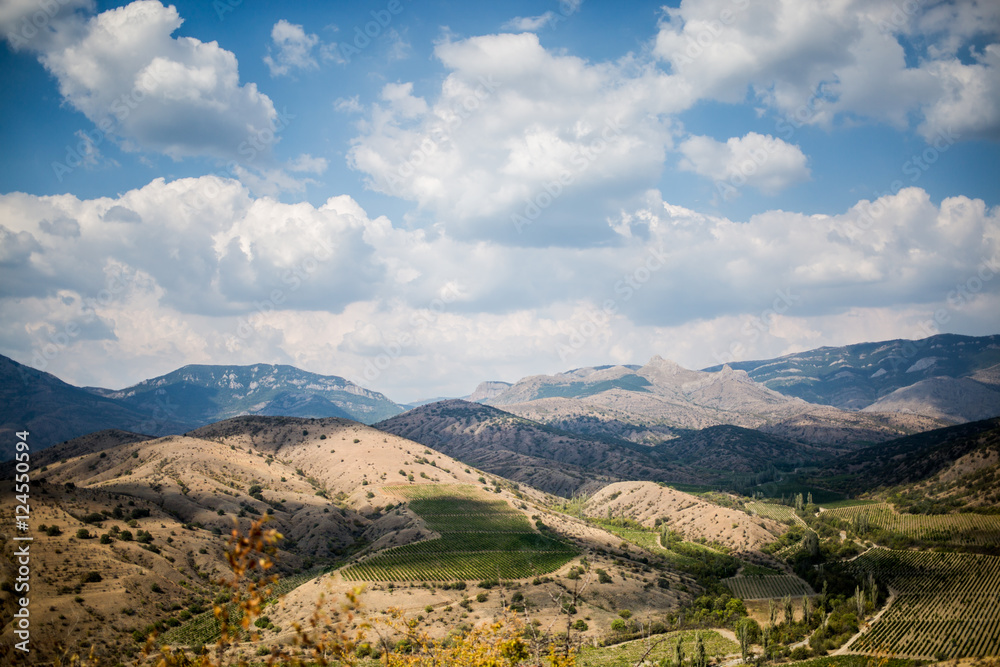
(178, 496)
(651, 504)
(525, 451)
(156, 512)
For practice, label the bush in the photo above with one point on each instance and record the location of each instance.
(83, 534)
(482, 597)
(53, 531)
(90, 577)
(156, 588)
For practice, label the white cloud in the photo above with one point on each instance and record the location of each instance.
(199, 270)
(294, 49)
(760, 161)
(818, 61)
(529, 23)
(127, 75)
(510, 124)
(309, 164)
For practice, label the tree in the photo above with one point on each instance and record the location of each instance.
(859, 602)
(679, 653)
(747, 632)
(811, 543)
(700, 659)
(788, 609)
(805, 608)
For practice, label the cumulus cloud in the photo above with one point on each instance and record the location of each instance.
(514, 129)
(819, 61)
(200, 270)
(125, 72)
(291, 49)
(760, 161)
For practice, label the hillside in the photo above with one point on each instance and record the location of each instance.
(853, 377)
(955, 400)
(652, 505)
(310, 475)
(523, 450)
(155, 512)
(53, 411)
(951, 467)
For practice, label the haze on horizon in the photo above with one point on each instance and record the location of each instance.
(490, 192)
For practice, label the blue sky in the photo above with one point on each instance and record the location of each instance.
(485, 192)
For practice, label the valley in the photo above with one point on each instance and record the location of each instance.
(604, 514)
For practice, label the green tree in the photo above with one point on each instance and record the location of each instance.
(788, 609)
(679, 652)
(747, 632)
(700, 659)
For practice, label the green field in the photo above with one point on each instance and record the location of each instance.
(204, 628)
(481, 538)
(782, 513)
(769, 586)
(628, 653)
(961, 529)
(946, 604)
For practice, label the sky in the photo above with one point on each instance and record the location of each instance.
(421, 195)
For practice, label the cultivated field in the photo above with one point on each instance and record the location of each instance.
(969, 529)
(481, 538)
(769, 586)
(946, 605)
(782, 513)
(628, 653)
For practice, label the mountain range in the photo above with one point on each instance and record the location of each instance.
(830, 398)
(853, 377)
(193, 396)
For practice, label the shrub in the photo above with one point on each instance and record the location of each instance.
(83, 534)
(53, 531)
(90, 577)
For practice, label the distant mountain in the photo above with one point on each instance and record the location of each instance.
(199, 395)
(487, 390)
(53, 411)
(657, 402)
(957, 400)
(853, 377)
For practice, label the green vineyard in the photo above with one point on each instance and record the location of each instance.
(964, 529)
(627, 654)
(947, 605)
(205, 628)
(782, 513)
(769, 586)
(481, 538)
